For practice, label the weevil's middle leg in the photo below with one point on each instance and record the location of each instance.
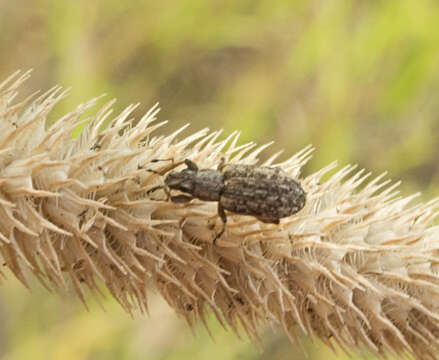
(223, 216)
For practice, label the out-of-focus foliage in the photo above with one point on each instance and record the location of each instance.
(358, 79)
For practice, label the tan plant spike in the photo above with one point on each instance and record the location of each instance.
(357, 266)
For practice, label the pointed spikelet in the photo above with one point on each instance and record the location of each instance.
(358, 265)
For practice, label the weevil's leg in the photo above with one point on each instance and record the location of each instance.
(157, 160)
(155, 188)
(191, 165)
(223, 216)
(158, 187)
(171, 167)
(140, 167)
(156, 172)
(221, 164)
(181, 199)
(269, 220)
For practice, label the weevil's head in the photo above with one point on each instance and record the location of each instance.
(204, 184)
(182, 180)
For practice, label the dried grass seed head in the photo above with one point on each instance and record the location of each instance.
(357, 266)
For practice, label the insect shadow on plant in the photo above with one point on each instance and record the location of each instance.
(267, 193)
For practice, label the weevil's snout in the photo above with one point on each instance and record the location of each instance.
(180, 180)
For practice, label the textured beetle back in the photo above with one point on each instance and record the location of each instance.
(262, 192)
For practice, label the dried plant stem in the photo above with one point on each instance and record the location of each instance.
(357, 266)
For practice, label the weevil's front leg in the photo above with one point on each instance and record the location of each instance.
(167, 169)
(165, 189)
(221, 164)
(189, 163)
(223, 216)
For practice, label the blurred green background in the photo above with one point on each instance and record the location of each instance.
(358, 79)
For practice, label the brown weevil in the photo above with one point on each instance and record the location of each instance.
(267, 193)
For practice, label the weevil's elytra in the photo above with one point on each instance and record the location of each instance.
(266, 193)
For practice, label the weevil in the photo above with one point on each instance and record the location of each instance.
(267, 193)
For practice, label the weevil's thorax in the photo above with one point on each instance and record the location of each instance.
(203, 184)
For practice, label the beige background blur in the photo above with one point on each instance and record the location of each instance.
(357, 79)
